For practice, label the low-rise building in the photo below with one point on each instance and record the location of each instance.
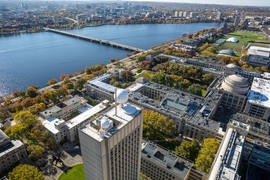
(11, 152)
(158, 163)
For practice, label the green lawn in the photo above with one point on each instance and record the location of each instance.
(243, 38)
(204, 91)
(146, 74)
(74, 173)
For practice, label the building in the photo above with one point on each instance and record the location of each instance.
(100, 88)
(67, 130)
(236, 21)
(219, 15)
(194, 14)
(111, 142)
(232, 40)
(235, 83)
(226, 163)
(176, 14)
(258, 104)
(258, 56)
(11, 152)
(226, 52)
(158, 163)
(64, 109)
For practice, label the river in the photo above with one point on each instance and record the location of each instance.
(33, 59)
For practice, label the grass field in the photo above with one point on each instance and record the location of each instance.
(204, 91)
(74, 173)
(243, 38)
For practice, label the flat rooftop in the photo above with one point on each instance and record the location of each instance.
(104, 86)
(13, 146)
(258, 60)
(180, 169)
(125, 114)
(86, 112)
(259, 92)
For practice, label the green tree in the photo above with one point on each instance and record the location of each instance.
(25, 171)
(34, 151)
(188, 149)
(31, 91)
(207, 154)
(195, 89)
(52, 81)
(79, 83)
(26, 118)
(157, 126)
(69, 85)
(207, 78)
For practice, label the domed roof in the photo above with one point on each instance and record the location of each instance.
(105, 124)
(232, 39)
(226, 52)
(232, 66)
(235, 83)
(121, 96)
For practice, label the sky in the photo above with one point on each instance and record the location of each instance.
(231, 2)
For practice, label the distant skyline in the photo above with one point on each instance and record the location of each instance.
(227, 2)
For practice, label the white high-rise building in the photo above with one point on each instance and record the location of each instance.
(111, 142)
(176, 14)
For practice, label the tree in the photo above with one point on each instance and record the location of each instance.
(79, 83)
(207, 154)
(63, 76)
(69, 85)
(207, 78)
(26, 118)
(195, 89)
(52, 81)
(157, 126)
(31, 91)
(35, 151)
(188, 149)
(25, 171)
(27, 102)
(36, 108)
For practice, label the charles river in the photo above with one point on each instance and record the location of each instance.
(33, 59)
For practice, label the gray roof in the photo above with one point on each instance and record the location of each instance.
(4, 139)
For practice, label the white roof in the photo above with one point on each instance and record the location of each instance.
(86, 112)
(232, 39)
(124, 115)
(259, 51)
(260, 92)
(135, 88)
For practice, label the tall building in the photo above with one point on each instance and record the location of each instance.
(219, 15)
(176, 14)
(111, 142)
(236, 21)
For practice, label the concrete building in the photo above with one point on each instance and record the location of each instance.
(100, 88)
(176, 14)
(227, 161)
(111, 142)
(64, 109)
(67, 130)
(236, 21)
(11, 152)
(219, 15)
(258, 56)
(235, 83)
(194, 14)
(158, 163)
(258, 104)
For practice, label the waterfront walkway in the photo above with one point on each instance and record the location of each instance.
(97, 40)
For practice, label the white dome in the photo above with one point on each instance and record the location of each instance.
(121, 96)
(232, 39)
(105, 124)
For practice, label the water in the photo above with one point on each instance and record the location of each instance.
(33, 59)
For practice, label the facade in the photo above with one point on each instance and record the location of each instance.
(62, 130)
(159, 164)
(236, 84)
(111, 144)
(258, 56)
(194, 14)
(11, 152)
(236, 21)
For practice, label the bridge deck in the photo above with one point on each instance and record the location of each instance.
(102, 41)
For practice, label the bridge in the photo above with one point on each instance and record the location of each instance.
(97, 40)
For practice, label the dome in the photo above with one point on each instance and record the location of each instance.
(232, 66)
(232, 39)
(235, 83)
(226, 52)
(121, 96)
(105, 124)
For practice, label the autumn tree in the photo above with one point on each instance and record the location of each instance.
(35, 151)
(188, 149)
(63, 76)
(52, 81)
(27, 102)
(207, 78)
(26, 118)
(207, 154)
(25, 171)
(157, 126)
